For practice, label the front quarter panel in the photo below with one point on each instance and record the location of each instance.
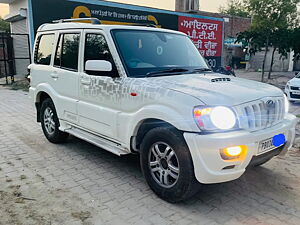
(141, 101)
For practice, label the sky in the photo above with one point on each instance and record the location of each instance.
(3, 9)
(212, 5)
(205, 5)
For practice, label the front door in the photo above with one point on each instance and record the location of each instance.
(99, 92)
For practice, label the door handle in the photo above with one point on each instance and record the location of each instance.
(85, 81)
(54, 75)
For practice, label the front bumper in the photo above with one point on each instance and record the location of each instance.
(291, 96)
(209, 167)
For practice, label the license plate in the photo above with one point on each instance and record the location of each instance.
(296, 92)
(271, 143)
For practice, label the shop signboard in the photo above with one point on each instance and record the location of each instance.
(206, 34)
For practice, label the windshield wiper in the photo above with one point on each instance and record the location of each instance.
(202, 70)
(168, 71)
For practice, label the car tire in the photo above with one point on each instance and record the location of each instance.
(50, 122)
(159, 168)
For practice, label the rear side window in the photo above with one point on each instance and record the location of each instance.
(66, 55)
(44, 49)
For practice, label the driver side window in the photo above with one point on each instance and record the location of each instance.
(96, 48)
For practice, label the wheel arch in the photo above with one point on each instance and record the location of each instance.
(143, 127)
(40, 97)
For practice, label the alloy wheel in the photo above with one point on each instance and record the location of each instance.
(163, 164)
(49, 121)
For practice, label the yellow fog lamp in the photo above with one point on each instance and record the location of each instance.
(234, 153)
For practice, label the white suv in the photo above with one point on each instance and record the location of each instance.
(137, 89)
(292, 89)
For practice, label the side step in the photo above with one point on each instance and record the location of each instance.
(98, 141)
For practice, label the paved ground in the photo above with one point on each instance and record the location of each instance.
(78, 183)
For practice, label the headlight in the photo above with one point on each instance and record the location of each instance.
(214, 118)
(286, 104)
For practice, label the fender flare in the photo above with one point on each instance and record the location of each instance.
(158, 112)
(46, 88)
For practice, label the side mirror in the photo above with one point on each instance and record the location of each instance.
(98, 66)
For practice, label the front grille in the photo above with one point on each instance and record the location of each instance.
(295, 88)
(294, 96)
(260, 114)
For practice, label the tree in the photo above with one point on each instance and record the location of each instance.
(4, 26)
(280, 41)
(294, 43)
(235, 8)
(271, 22)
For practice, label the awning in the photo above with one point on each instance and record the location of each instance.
(22, 14)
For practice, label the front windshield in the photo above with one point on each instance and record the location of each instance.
(145, 52)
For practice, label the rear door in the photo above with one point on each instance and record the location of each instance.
(65, 76)
(43, 54)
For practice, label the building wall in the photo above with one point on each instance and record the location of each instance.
(280, 63)
(15, 6)
(233, 25)
(236, 25)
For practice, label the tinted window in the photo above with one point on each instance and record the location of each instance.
(44, 49)
(96, 48)
(67, 51)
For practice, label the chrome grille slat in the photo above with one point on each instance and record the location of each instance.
(262, 115)
(243, 122)
(251, 116)
(259, 114)
(282, 110)
(277, 110)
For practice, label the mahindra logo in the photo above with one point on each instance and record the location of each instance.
(270, 104)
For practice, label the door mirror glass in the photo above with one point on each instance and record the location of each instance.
(98, 66)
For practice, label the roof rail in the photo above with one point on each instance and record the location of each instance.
(93, 20)
(143, 24)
